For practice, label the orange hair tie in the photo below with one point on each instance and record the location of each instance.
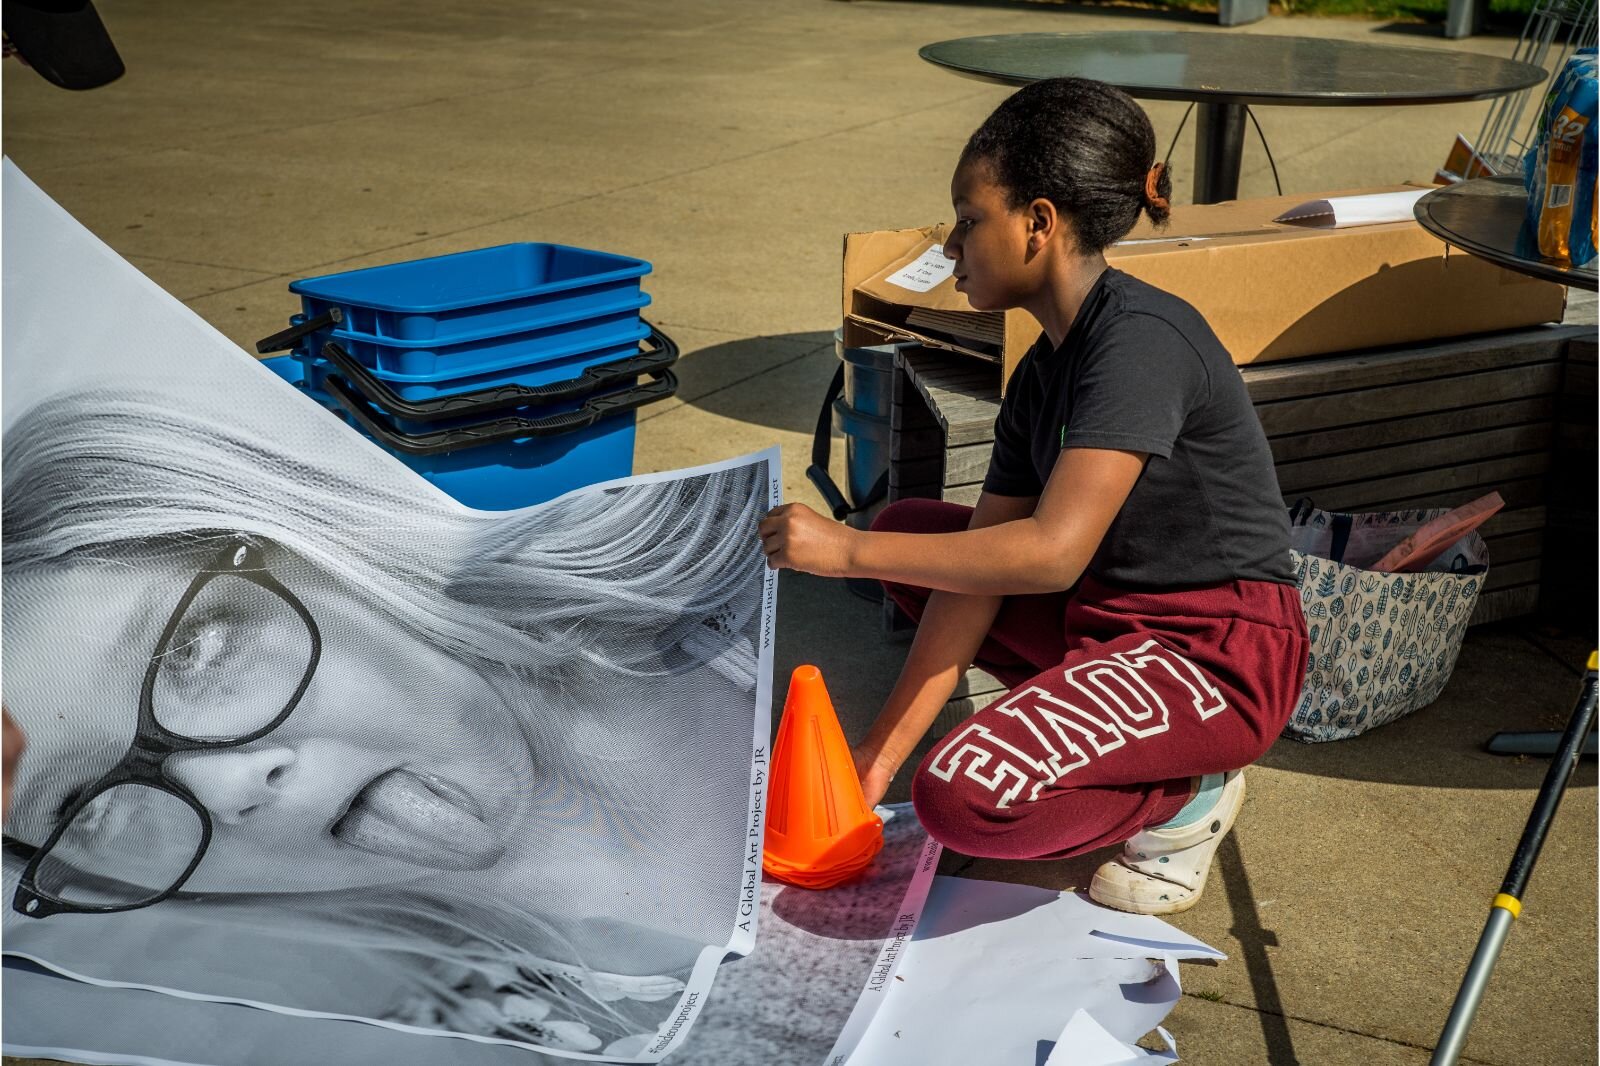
(1152, 181)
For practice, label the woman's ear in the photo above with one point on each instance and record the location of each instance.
(1043, 224)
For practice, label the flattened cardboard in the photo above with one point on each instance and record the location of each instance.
(1270, 291)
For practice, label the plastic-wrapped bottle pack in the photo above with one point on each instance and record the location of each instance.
(1560, 169)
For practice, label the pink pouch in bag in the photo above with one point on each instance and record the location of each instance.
(1419, 549)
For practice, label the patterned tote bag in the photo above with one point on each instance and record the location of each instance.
(1382, 644)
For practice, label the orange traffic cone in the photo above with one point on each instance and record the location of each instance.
(820, 830)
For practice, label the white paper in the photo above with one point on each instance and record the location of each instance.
(996, 970)
(1341, 212)
(1084, 1042)
(1159, 240)
(924, 272)
(598, 776)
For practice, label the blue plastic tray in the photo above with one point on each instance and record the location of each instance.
(504, 289)
(553, 337)
(551, 366)
(509, 475)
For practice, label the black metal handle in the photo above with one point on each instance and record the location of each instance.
(288, 338)
(662, 354)
(821, 449)
(663, 384)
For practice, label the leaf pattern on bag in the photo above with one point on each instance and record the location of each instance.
(1382, 645)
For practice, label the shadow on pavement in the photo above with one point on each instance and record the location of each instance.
(1254, 940)
(719, 378)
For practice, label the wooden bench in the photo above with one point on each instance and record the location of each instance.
(1431, 426)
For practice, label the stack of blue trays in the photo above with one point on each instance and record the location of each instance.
(506, 375)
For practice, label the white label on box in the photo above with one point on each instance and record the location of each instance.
(923, 273)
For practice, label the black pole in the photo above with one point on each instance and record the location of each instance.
(1550, 793)
(1218, 149)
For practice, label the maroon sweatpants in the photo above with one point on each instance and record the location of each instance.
(1118, 698)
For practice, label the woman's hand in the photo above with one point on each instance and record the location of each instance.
(794, 537)
(875, 777)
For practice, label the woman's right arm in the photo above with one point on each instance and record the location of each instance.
(952, 628)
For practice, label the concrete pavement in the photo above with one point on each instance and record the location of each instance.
(732, 143)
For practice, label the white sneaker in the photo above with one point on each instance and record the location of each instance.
(1163, 871)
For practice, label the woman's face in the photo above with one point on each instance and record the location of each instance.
(397, 762)
(989, 241)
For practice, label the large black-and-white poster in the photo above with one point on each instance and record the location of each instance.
(306, 733)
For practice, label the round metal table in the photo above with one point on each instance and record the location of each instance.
(1222, 73)
(1484, 217)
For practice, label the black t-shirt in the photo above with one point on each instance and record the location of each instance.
(1141, 371)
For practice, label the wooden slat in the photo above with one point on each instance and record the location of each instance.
(969, 424)
(1399, 401)
(1519, 493)
(984, 384)
(916, 448)
(1580, 378)
(1509, 521)
(967, 706)
(966, 464)
(1524, 572)
(967, 414)
(915, 444)
(950, 715)
(1506, 603)
(1297, 478)
(962, 494)
(911, 414)
(931, 362)
(1293, 446)
(1364, 495)
(976, 682)
(1307, 377)
(1515, 547)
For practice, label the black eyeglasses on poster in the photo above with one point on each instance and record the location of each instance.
(153, 744)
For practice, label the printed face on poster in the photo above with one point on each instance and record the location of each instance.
(306, 733)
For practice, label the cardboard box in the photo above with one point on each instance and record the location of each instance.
(1270, 290)
(877, 310)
